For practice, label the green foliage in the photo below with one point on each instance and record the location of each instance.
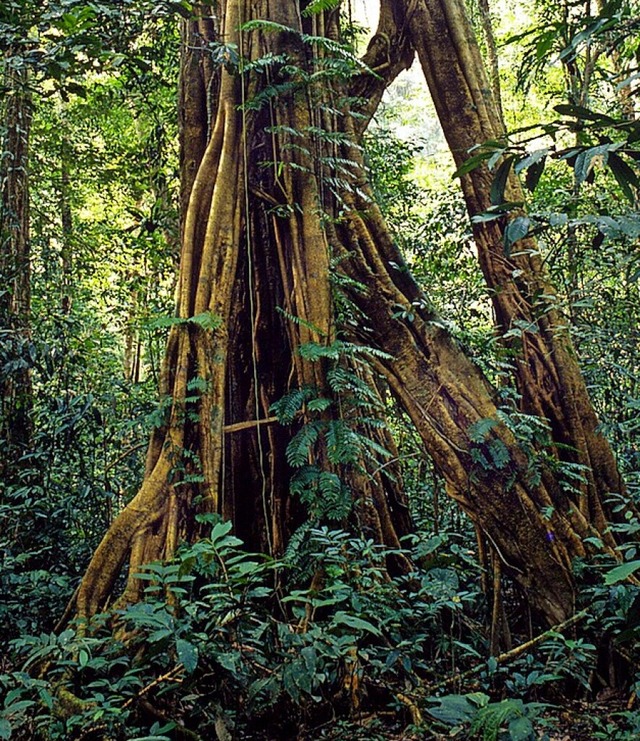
(343, 441)
(227, 642)
(210, 638)
(318, 6)
(63, 43)
(620, 573)
(101, 217)
(573, 37)
(478, 718)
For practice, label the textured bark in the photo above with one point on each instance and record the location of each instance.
(389, 51)
(486, 21)
(254, 286)
(445, 395)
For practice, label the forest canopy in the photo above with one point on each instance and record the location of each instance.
(319, 359)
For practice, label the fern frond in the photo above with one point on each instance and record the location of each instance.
(333, 137)
(375, 447)
(318, 6)
(490, 718)
(478, 432)
(323, 492)
(319, 405)
(260, 24)
(499, 454)
(281, 129)
(299, 320)
(315, 351)
(290, 404)
(299, 449)
(297, 541)
(342, 381)
(343, 444)
(264, 62)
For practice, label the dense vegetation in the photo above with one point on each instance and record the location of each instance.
(324, 571)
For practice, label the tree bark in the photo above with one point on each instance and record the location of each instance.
(254, 287)
(492, 54)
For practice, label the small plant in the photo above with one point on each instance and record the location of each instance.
(476, 717)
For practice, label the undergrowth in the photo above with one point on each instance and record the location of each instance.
(324, 644)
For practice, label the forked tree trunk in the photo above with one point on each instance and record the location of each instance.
(273, 195)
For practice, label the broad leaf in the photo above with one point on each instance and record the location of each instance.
(187, 655)
(516, 229)
(343, 618)
(620, 573)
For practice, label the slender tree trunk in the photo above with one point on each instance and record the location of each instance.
(66, 218)
(491, 53)
(15, 290)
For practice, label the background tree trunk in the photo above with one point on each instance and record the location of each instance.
(15, 291)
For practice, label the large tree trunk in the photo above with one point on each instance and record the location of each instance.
(273, 196)
(15, 289)
(254, 287)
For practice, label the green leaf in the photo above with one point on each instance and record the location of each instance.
(472, 163)
(586, 159)
(453, 710)
(530, 159)
(343, 618)
(620, 573)
(187, 655)
(582, 113)
(626, 177)
(220, 535)
(520, 729)
(5, 729)
(517, 229)
(534, 174)
(229, 661)
(500, 181)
